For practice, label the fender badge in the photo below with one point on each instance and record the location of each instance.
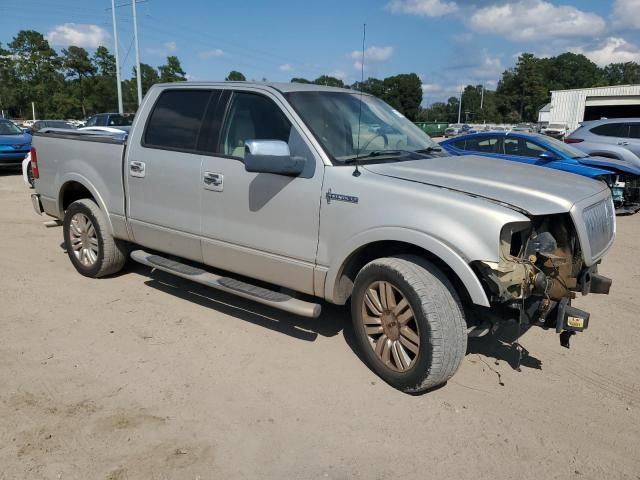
(340, 197)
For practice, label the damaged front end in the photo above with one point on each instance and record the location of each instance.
(540, 271)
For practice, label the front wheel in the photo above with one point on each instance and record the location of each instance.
(91, 249)
(408, 322)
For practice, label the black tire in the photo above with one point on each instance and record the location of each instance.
(438, 317)
(111, 255)
(30, 178)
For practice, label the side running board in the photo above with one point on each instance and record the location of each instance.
(271, 298)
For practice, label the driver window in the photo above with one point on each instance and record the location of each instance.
(253, 117)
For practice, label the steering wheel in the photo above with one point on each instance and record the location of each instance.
(383, 135)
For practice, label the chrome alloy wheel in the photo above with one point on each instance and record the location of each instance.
(390, 326)
(84, 239)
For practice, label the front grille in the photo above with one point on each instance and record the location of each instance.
(599, 219)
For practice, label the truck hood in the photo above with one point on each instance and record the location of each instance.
(535, 190)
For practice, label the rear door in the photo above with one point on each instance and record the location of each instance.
(633, 140)
(261, 225)
(615, 133)
(163, 171)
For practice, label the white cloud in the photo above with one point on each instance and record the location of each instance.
(612, 50)
(167, 48)
(213, 53)
(371, 55)
(285, 67)
(536, 20)
(426, 8)
(339, 74)
(78, 34)
(626, 13)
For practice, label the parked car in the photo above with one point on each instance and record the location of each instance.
(273, 183)
(40, 124)
(117, 120)
(613, 138)
(108, 130)
(15, 143)
(452, 130)
(536, 149)
(555, 130)
(523, 128)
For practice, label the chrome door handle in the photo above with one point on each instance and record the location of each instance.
(623, 143)
(213, 181)
(137, 169)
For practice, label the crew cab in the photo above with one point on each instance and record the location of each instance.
(324, 194)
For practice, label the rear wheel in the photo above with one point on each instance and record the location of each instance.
(408, 322)
(91, 249)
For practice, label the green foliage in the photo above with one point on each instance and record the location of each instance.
(403, 92)
(235, 76)
(71, 84)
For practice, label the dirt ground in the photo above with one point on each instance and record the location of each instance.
(143, 376)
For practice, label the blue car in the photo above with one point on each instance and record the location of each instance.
(15, 143)
(545, 151)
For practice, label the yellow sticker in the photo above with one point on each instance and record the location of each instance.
(575, 322)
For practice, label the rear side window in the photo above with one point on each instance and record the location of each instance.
(176, 119)
(610, 130)
(482, 144)
(634, 130)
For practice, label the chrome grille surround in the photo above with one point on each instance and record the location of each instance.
(595, 223)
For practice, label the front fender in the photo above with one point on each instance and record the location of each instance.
(445, 253)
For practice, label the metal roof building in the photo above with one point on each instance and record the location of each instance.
(574, 106)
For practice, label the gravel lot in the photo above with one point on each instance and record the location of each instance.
(144, 376)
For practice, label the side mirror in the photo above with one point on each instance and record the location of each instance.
(26, 130)
(547, 156)
(271, 156)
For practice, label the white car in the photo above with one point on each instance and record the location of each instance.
(27, 175)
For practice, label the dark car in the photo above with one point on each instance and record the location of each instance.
(111, 120)
(41, 124)
(549, 152)
(15, 144)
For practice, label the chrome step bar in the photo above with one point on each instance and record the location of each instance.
(274, 299)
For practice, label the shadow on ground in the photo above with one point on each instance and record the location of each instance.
(501, 345)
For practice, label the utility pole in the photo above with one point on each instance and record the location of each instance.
(482, 97)
(33, 110)
(115, 40)
(460, 107)
(135, 36)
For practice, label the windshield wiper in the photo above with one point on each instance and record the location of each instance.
(394, 152)
(429, 149)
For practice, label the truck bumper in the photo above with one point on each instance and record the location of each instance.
(37, 204)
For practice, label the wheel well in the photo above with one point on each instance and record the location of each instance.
(73, 191)
(388, 248)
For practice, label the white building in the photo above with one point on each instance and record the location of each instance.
(574, 106)
(544, 115)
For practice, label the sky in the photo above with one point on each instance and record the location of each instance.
(448, 43)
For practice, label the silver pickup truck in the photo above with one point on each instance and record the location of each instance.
(329, 193)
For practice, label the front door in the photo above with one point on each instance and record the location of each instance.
(260, 225)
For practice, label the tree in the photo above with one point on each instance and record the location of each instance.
(37, 70)
(300, 80)
(78, 66)
(371, 85)
(404, 93)
(571, 70)
(329, 81)
(622, 73)
(235, 76)
(103, 62)
(172, 70)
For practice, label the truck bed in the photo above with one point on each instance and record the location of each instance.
(96, 160)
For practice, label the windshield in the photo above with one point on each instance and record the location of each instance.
(59, 124)
(333, 119)
(564, 148)
(120, 120)
(9, 128)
